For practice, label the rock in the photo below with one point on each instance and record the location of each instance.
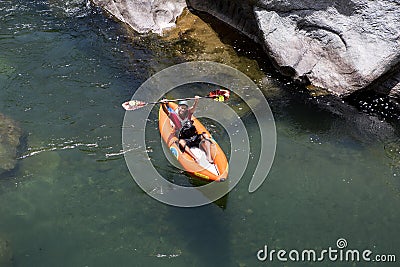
(388, 84)
(146, 15)
(395, 86)
(10, 134)
(341, 45)
(238, 14)
(5, 253)
(396, 91)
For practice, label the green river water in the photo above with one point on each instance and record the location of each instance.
(71, 201)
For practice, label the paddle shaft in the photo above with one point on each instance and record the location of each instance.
(217, 95)
(178, 99)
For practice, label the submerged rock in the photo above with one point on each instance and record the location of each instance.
(5, 253)
(144, 16)
(195, 40)
(341, 45)
(5, 69)
(10, 134)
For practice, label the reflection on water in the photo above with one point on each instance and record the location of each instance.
(65, 69)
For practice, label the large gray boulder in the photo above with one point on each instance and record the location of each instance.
(146, 15)
(339, 45)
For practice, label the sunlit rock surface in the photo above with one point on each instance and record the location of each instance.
(144, 16)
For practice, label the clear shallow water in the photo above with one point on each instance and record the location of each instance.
(65, 69)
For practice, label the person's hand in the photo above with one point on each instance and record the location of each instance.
(164, 101)
(196, 97)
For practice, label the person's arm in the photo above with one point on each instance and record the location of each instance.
(165, 106)
(171, 114)
(196, 101)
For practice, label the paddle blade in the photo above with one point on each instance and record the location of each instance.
(220, 95)
(133, 104)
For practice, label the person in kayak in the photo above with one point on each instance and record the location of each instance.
(185, 130)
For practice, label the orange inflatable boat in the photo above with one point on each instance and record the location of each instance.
(202, 170)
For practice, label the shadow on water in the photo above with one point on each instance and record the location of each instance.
(221, 202)
(330, 114)
(203, 229)
(205, 233)
(379, 105)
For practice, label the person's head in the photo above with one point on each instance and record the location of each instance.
(183, 108)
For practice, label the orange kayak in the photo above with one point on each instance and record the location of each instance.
(202, 170)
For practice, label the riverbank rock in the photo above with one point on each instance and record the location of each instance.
(146, 15)
(393, 86)
(10, 134)
(340, 45)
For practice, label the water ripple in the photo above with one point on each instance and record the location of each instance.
(53, 147)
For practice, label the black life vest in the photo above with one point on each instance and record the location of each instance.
(187, 131)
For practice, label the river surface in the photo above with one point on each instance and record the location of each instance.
(65, 69)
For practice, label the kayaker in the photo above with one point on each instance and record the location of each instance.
(185, 130)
